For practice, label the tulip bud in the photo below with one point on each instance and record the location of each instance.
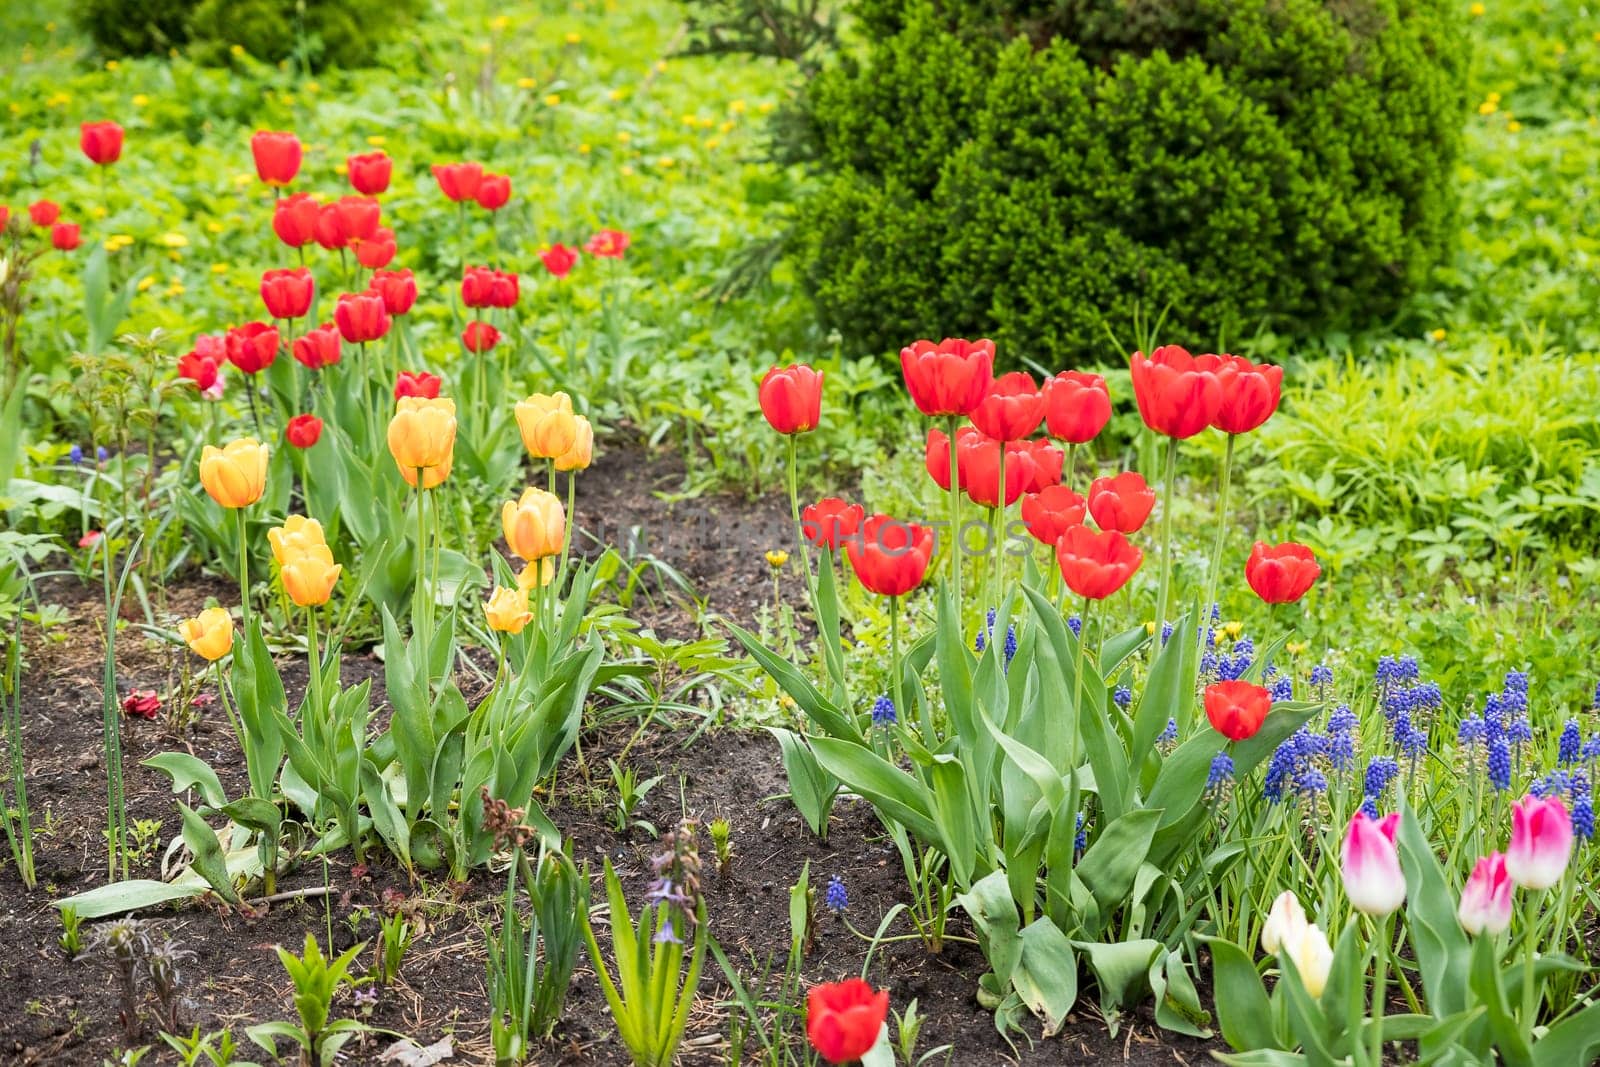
(209, 634)
(1370, 866)
(235, 474)
(547, 425)
(535, 525)
(309, 576)
(1486, 898)
(1541, 842)
(581, 454)
(507, 610)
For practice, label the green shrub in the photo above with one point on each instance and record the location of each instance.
(339, 33)
(1041, 171)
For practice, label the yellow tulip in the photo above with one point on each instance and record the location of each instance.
(507, 610)
(209, 634)
(308, 577)
(295, 535)
(534, 525)
(422, 436)
(236, 473)
(540, 573)
(547, 424)
(578, 457)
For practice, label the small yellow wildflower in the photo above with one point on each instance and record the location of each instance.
(726, 127)
(243, 179)
(713, 143)
(583, 149)
(526, 83)
(667, 162)
(112, 64)
(98, 211)
(777, 557)
(736, 106)
(661, 66)
(1488, 107)
(1149, 626)
(764, 107)
(175, 289)
(1493, 98)
(173, 240)
(623, 136)
(140, 100)
(237, 51)
(499, 23)
(58, 100)
(219, 268)
(626, 171)
(618, 94)
(1437, 335)
(117, 241)
(313, 87)
(377, 140)
(1477, 10)
(341, 169)
(146, 282)
(1294, 648)
(1231, 629)
(553, 100)
(573, 38)
(1513, 126)
(215, 227)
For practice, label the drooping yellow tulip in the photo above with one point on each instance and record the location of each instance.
(507, 610)
(422, 436)
(534, 525)
(308, 576)
(540, 573)
(236, 474)
(547, 424)
(209, 634)
(295, 535)
(578, 457)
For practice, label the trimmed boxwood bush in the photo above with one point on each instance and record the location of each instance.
(1042, 171)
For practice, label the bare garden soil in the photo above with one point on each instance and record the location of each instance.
(56, 1011)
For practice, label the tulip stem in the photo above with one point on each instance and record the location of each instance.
(1222, 526)
(955, 513)
(233, 720)
(894, 656)
(1380, 985)
(1075, 726)
(805, 560)
(1530, 936)
(566, 534)
(1169, 484)
(315, 663)
(419, 598)
(244, 572)
(1072, 464)
(998, 515)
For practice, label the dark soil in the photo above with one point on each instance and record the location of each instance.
(57, 1011)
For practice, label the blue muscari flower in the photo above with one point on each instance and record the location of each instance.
(837, 899)
(1343, 720)
(1370, 807)
(1591, 748)
(1081, 841)
(1169, 734)
(1517, 682)
(1520, 732)
(883, 713)
(1381, 770)
(1596, 702)
(1232, 668)
(1124, 696)
(1210, 664)
(1341, 739)
(1166, 632)
(101, 454)
(982, 640)
(1499, 762)
(1075, 624)
(1279, 769)
(1282, 688)
(1221, 771)
(1578, 784)
(1471, 731)
(1554, 784)
(1311, 781)
(1216, 612)
(1308, 745)
(1571, 743)
(76, 455)
(1321, 675)
(1583, 817)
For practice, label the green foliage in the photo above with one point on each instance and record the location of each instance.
(316, 979)
(316, 32)
(1240, 164)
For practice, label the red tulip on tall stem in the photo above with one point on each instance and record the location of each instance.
(1250, 394)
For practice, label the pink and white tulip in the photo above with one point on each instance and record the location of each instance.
(1541, 842)
(1486, 898)
(1371, 866)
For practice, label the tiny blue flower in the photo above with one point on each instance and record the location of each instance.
(1381, 770)
(1011, 643)
(1471, 731)
(1169, 734)
(1321, 675)
(1075, 624)
(1123, 696)
(1520, 732)
(837, 899)
(1081, 841)
(1311, 781)
(76, 455)
(1571, 743)
(1370, 807)
(883, 713)
(1221, 771)
(1282, 688)
(101, 454)
(1166, 632)
(667, 934)
(1583, 818)
(1499, 762)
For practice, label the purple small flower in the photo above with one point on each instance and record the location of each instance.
(1282, 688)
(1571, 743)
(1123, 696)
(1321, 675)
(1221, 771)
(837, 899)
(883, 713)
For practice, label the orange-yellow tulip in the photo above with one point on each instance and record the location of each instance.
(308, 577)
(209, 634)
(534, 525)
(235, 474)
(297, 534)
(547, 424)
(578, 457)
(507, 610)
(422, 436)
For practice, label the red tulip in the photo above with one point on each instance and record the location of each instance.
(101, 142)
(317, 348)
(890, 557)
(376, 251)
(44, 212)
(559, 260)
(1051, 512)
(791, 398)
(494, 191)
(303, 431)
(330, 230)
(5, 216)
(199, 368)
(458, 181)
(828, 523)
(143, 703)
(504, 289)
(417, 383)
(294, 219)
(65, 236)
(1077, 406)
(1095, 565)
(1178, 394)
(1237, 709)
(1281, 574)
(369, 173)
(361, 316)
(1047, 462)
(950, 378)
(844, 1019)
(1250, 393)
(1012, 409)
(360, 216)
(937, 457)
(479, 337)
(608, 244)
(253, 346)
(277, 156)
(287, 293)
(477, 287)
(1122, 503)
(398, 289)
(978, 472)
